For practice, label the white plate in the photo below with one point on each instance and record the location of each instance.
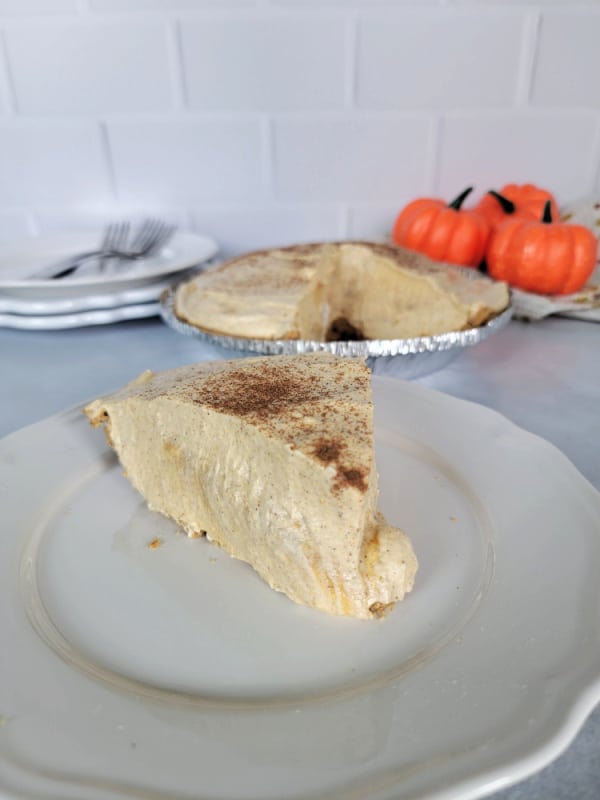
(79, 319)
(176, 672)
(20, 261)
(89, 302)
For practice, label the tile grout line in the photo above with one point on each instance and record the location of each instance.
(595, 158)
(179, 87)
(108, 159)
(351, 62)
(6, 79)
(528, 62)
(33, 221)
(432, 173)
(344, 217)
(268, 155)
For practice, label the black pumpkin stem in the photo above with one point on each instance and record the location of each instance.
(547, 215)
(507, 205)
(458, 201)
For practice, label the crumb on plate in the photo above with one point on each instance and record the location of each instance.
(155, 543)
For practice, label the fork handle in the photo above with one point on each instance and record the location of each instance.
(68, 266)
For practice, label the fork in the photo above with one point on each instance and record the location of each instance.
(150, 237)
(114, 239)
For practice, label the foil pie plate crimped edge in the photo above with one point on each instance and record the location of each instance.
(405, 358)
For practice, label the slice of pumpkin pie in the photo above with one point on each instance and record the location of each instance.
(272, 458)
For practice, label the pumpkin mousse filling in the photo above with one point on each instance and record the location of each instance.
(337, 291)
(273, 458)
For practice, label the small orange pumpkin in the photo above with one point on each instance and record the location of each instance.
(444, 232)
(544, 257)
(526, 200)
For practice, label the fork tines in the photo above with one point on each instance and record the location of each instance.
(151, 234)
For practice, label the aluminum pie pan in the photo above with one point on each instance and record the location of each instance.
(403, 357)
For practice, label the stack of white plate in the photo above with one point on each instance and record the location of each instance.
(90, 296)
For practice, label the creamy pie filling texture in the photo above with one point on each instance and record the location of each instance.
(337, 290)
(272, 458)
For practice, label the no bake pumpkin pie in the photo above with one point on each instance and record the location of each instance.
(354, 290)
(273, 459)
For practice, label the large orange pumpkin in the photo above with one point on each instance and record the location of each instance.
(444, 232)
(542, 256)
(526, 200)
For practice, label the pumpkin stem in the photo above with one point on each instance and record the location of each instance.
(507, 205)
(547, 215)
(458, 201)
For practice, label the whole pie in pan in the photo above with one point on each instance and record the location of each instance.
(338, 290)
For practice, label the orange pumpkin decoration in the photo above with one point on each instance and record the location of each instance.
(524, 200)
(544, 257)
(444, 232)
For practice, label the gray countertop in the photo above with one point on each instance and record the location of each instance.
(544, 376)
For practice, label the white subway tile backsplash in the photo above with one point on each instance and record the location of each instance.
(12, 8)
(52, 162)
(257, 63)
(350, 158)
(252, 227)
(167, 5)
(345, 4)
(555, 150)
(6, 101)
(375, 222)
(80, 67)
(568, 59)
(532, 4)
(263, 122)
(438, 58)
(79, 218)
(182, 160)
(15, 225)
